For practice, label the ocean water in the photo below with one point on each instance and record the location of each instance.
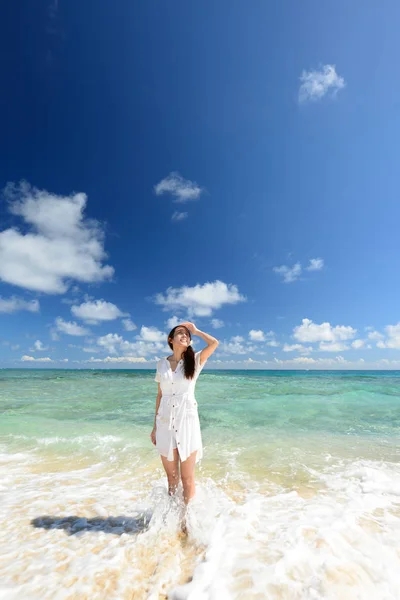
(298, 493)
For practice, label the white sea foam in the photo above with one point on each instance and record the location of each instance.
(101, 532)
(80, 439)
(339, 543)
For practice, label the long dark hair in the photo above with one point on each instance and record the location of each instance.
(187, 355)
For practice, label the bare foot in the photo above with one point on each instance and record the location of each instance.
(184, 530)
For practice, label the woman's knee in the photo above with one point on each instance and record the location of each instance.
(187, 480)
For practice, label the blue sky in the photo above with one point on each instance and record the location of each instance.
(230, 163)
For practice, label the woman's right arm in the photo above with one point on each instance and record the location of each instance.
(158, 400)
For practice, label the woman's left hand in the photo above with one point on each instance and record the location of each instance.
(191, 326)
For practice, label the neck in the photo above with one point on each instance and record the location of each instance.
(177, 354)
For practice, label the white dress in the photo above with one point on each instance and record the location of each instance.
(177, 419)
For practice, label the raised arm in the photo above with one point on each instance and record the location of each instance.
(212, 342)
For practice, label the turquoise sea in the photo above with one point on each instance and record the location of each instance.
(298, 493)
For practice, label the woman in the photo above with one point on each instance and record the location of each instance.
(176, 433)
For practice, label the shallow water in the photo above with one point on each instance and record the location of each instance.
(298, 493)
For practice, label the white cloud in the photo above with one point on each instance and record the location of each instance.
(60, 245)
(128, 325)
(318, 363)
(237, 345)
(393, 337)
(358, 344)
(94, 312)
(200, 300)
(256, 335)
(311, 332)
(273, 343)
(110, 342)
(217, 323)
(233, 348)
(70, 328)
(173, 322)
(179, 216)
(178, 187)
(332, 347)
(150, 341)
(54, 335)
(151, 334)
(237, 339)
(27, 358)
(316, 264)
(375, 336)
(38, 347)
(142, 348)
(316, 84)
(297, 348)
(384, 362)
(293, 273)
(13, 304)
(290, 274)
(260, 336)
(306, 361)
(117, 359)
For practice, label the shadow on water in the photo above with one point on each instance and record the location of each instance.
(74, 524)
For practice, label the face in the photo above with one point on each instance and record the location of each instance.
(181, 337)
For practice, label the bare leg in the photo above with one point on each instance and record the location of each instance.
(187, 476)
(172, 470)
